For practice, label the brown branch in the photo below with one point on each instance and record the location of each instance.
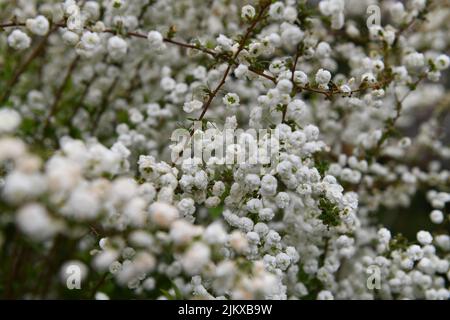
(214, 93)
(21, 69)
(193, 47)
(294, 65)
(59, 92)
(240, 48)
(387, 130)
(12, 24)
(230, 61)
(98, 285)
(144, 9)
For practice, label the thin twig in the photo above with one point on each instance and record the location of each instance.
(98, 285)
(228, 69)
(54, 107)
(327, 93)
(398, 109)
(21, 69)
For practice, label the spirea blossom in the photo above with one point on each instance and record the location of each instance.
(19, 40)
(9, 120)
(155, 40)
(90, 40)
(38, 25)
(323, 77)
(224, 150)
(248, 12)
(191, 106)
(231, 100)
(117, 47)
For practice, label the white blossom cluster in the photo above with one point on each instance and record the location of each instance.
(93, 90)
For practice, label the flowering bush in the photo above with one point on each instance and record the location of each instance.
(311, 159)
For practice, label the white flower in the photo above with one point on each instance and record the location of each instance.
(224, 42)
(397, 11)
(384, 235)
(290, 14)
(214, 227)
(149, 284)
(269, 185)
(215, 234)
(292, 35)
(156, 40)
(75, 22)
(99, 26)
(248, 12)
(38, 25)
(163, 214)
(282, 200)
(436, 216)
(283, 260)
(418, 4)
(241, 71)
(20, 186)
(424, 237)
(186, 206)
(337, 20)
(325, 295)
(284, 86)
(182, 232)
(276, 10)
(442, 62)
(192, 106)
(90, 40)
(92, 9)
(415, 252)
(295, 111)
(104, 259)
(253, 237)
(231, 100)
(218, 188)
(345, 89)
(117, 47)
(238, 241)
(196, 257)
(266, 214)
(323, 77)
(101, 296)
(11, 148)
(212, 202)
(443, 241)
(254, 205)
(246, 224)
(9, 120)
(300, 78)
(253, 181)
(323, 49)
(255, 49)
(82, 204)
(70, 37)
(19, 40)
(312, 132)
(414, 60)
(274, 40)
(34, 220)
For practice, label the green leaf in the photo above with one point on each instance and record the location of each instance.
(330, 212)
(216, 212)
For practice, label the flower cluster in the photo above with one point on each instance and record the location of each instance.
(349, 200)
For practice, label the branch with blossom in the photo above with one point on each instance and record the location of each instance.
(262, 150)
